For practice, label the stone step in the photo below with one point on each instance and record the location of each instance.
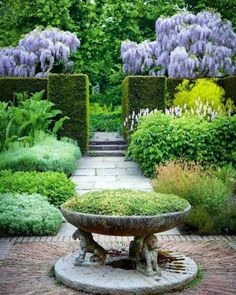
(108, 142)
(100, 153)
(107, 147)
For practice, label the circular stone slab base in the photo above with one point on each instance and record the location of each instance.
(104, 279)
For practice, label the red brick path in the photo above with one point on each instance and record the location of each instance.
(26, 267)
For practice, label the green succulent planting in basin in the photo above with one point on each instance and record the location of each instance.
(126, 203)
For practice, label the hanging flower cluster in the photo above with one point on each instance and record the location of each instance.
(38, 52)
(187, 45)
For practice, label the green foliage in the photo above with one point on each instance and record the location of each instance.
(201, 221)
(205, 91)
(111, 95)
(126, 203)
(227, 83)
(47, 154)
(227, 174)
(101, 25)
(54, 185)
(210, 196)
(70, 93)
(161, 137)
(28, 214)
(142, 92)
(102, 118)
(19, 17)
(22, 122)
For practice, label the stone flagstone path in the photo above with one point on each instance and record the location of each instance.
(96, 173)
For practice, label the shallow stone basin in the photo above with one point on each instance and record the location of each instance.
(124, 225)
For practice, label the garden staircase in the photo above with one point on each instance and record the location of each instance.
(104, 144)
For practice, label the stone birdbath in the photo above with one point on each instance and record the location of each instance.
(144, 268)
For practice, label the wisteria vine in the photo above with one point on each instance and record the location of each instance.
(38, 52)
(186, 46)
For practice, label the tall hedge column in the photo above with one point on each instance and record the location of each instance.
(142, 92)
(70, 94)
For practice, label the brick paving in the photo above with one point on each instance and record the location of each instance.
(26, 269)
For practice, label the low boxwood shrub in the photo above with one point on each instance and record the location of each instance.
(28, 215)
(126, 203)
(47, 154)
(209, 192)
(54, 185)
(161, 137)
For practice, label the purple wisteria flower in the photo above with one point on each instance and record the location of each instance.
(186, 46)
(38, 50)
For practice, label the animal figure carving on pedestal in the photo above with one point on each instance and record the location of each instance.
(145, 249)
(87, 244)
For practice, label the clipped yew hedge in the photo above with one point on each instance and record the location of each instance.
(141, 92)
(10, 85)
(70, 94)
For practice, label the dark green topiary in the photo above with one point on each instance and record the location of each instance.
(11, 85)
(141, 92)
(229, 85)
(28, 215)
(70, 94)
(171, 84)
(126, 203)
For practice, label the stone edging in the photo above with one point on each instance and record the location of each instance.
(101, 238)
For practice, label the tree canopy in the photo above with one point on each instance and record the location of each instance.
(101, 25)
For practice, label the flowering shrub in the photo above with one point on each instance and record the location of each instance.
(187, 45)
(160, 137)
(203, 111)
(38, 52)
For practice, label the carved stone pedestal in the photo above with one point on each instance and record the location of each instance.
(143, 249)
(144, 269)
(113, 280)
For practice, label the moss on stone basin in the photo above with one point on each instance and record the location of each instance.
(126, 203)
